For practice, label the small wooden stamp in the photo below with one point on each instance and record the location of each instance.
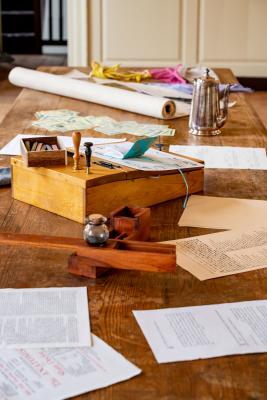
(76, 138)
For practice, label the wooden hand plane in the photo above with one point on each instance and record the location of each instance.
(119, 252)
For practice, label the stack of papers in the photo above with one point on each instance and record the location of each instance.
(45, 354)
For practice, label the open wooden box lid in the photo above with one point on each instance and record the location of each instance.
(99, 175)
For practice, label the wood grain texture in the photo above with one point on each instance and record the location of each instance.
(113, 296)
(144, 191)
(73, 194)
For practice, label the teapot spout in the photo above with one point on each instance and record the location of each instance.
(221, 119)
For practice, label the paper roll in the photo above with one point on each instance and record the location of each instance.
(152, 106)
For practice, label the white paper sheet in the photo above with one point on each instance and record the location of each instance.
(56, 374)
(191, 333)
(50, 317)
(152, 160)
(225, 157)
(13, 147)
(224, 253)
(152, 90)
(153, 106)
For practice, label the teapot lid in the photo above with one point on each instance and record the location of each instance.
(206, 79)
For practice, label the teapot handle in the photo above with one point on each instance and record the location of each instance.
(221, 118)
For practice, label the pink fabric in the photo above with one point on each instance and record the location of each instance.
(168, 75)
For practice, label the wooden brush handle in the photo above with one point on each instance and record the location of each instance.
(76, 138)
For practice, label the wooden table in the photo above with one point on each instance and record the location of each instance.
(113, 297)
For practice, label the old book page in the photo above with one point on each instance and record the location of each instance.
(57, 374)
(223, 253)
(191, 333)
(46, 317)
(224, 213)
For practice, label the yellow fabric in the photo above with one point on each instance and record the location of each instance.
(99, 71)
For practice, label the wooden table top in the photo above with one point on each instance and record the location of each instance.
(113, 297)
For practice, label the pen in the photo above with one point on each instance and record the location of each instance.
(106, 164)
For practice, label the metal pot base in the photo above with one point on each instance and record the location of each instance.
(205, 132)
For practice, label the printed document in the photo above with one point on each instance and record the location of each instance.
(191, 333)
(50, 317)
(152, 160)
(225, 157)
(57, 374)
(224, 213)
(223, 253)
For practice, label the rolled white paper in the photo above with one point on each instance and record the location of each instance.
(152, 106)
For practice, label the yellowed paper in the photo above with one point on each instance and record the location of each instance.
(223, 253)
(224, 213)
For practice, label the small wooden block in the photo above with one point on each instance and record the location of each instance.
(80, 266)
(134, 222)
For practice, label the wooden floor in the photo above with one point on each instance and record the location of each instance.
(8, 92)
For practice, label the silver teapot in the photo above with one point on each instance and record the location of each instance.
(206, 116)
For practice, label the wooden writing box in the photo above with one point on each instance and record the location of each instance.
(44, 157)
(74, 195)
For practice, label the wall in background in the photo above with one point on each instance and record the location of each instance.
(218, 33)
(78, 26)
(233, 34)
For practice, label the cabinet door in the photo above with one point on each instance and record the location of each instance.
(216, 33)
(137, 32)
(232, 33)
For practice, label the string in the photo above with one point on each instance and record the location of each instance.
(186, 187)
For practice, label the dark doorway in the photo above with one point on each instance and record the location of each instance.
(33, 26)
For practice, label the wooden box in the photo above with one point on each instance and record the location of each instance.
(43, 158)
(132, 223)
(74, 195)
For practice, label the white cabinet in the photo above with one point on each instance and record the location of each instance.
(137, 32)
(233, 33)
(218, 33)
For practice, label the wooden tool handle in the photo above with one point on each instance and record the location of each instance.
(76, 138)
(88, 154)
